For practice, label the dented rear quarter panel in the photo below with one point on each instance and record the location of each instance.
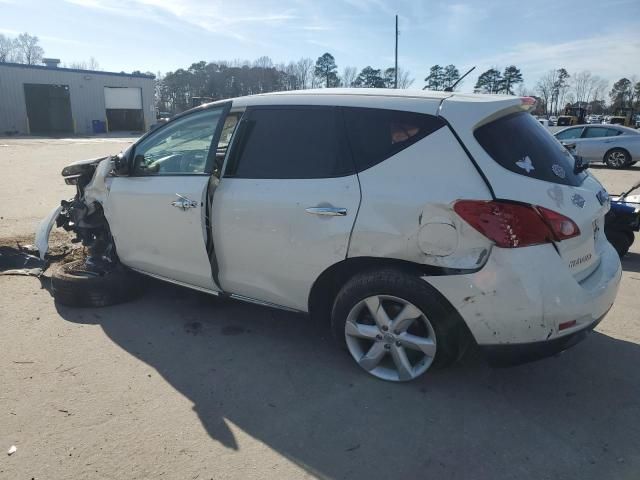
(408, 197)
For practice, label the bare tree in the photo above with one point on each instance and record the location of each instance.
(304, 72)
(404, 79)
(523, 91)
(93, 64)
(582, 86)
(76, 65)
(546, 87)
(600, 89)
(291, 80)
(7, 49)
(348, 76)
(29, 49)
(263, 62)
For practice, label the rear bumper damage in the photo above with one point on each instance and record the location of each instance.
(519, 353)
(526, 303)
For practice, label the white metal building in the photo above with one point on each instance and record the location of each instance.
(48, 100)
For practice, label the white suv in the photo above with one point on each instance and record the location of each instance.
(411, 222)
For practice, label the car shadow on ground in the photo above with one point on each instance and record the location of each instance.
(278, 377)
(631, 262)
(602, 166)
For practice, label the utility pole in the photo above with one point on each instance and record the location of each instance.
(395, 83)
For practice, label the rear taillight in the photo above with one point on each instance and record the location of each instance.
(512, 225)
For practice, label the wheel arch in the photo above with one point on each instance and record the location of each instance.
(330, 281)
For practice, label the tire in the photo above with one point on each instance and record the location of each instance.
(620, 240)
(617, 158)
(391, 287)
(73, 285)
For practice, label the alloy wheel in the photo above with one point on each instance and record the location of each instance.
(390, 338)
(617, 159)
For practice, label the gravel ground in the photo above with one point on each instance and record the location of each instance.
(179, 385)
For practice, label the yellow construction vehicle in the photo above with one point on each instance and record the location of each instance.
(572, 116)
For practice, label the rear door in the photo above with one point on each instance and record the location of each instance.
(523, 162)
(286, 205)
(595, 142)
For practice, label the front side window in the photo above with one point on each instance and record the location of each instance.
(377, 134)
(291, 142)
(179, 148)
(569, 133)
(520, 144)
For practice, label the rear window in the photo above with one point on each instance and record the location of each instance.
(377, 134)
(520, 144)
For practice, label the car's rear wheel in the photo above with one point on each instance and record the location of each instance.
(617, 158)
(76, 284)
(395, 325)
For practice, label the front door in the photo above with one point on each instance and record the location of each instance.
(158, 214)
(285, 208)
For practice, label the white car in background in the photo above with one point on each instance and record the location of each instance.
(412, 223)
(614, 145)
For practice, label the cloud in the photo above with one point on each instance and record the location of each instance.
(610, 56)
(213, 16)
(369, 6)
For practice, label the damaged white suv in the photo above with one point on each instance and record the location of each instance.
(412, 222)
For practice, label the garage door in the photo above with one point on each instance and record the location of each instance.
(48, 108)
(124, 108)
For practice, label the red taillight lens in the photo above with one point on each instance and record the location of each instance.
(529, 101)
(561, 226)
(512, 225)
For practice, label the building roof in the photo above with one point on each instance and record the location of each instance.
(75, 70)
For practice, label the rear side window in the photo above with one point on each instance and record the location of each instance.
(290, 142)
(377, 134)
(597, 132)
(520, 144)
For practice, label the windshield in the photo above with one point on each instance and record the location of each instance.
(522, 145)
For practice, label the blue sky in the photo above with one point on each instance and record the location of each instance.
(161, 35)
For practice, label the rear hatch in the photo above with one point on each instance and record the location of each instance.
(524, 163)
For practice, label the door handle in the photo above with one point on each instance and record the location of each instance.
(328, 211)
(184, 203)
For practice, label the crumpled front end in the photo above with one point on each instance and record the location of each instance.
(83, 214)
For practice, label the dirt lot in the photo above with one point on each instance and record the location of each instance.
(178, 385)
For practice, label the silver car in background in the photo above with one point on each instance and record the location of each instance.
(614, 145)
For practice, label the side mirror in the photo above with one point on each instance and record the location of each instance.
(121, 164)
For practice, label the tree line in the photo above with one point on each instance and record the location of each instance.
(558, 89)
(223, 79)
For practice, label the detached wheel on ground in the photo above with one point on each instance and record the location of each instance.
(395, 325)
(75, 285)
(617, 158)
